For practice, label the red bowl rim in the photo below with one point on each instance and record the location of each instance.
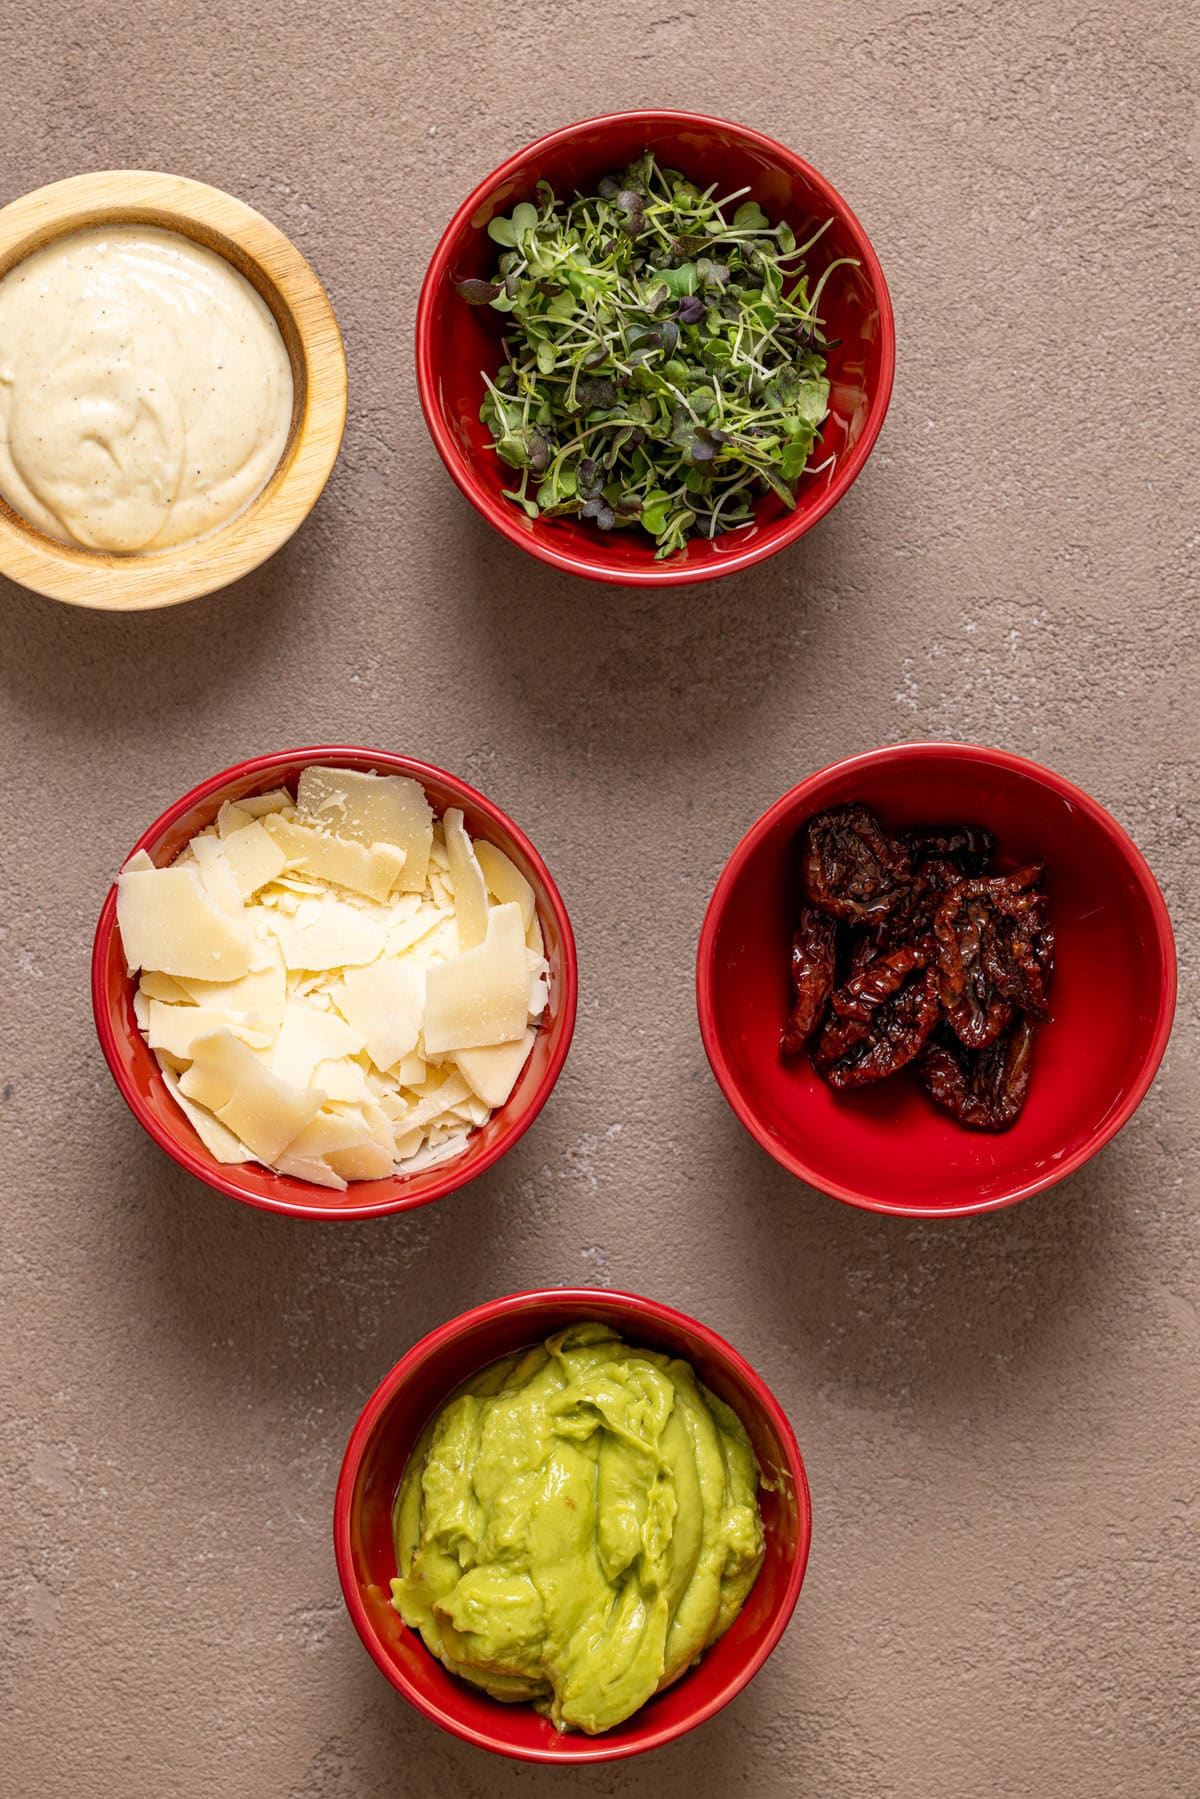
(638, 1308)
(500, 515)
(931, 751)
(455, 1174)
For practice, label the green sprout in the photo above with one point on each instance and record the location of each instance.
(664, 357)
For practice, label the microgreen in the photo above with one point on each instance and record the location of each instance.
(664, 357)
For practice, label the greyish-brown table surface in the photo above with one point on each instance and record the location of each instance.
(999, 1417)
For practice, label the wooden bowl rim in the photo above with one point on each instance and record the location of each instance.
(292, 289)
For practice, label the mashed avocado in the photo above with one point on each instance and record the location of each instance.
(576, 1526)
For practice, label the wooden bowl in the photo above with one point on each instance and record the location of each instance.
(276, 269)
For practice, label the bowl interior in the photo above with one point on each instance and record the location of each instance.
(888, 1147)
(376, 1462)
(464, 340)
(140, 1079)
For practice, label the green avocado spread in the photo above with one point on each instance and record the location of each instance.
(576, 1526)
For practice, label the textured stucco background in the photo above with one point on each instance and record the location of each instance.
(999, 1417)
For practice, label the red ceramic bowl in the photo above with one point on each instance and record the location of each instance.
(888, 1148)
(137, 1073)
(456, 341)
(383, 1439)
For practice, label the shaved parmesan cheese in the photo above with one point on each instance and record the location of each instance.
(333, 935)
(372, 809)
(309, 1168)
(366, 1162)
(213, 1076)
(378, 1125)
(483, 996)
(138, 861)
(326, 983)
(217, 1139)
(265, 1112)
(470, 892)
(386, 1003)
(217, 875)
(289, 883)
(343, 1080)
(258, 804)
(261, 991)
(539, 984)
(403, 906)
(492, 1070)
(441, 945)
(177, 1028)
(504, 879)
(300, 986)
(330, 1131)
(231, 818)
(341, 1143)
(308, 1037)
(364, 868)
(450, 1092)
(431, 1156)
(440, 884)
(161, 986)
(253, 857)
(168, 922)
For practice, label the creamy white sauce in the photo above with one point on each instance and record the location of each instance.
(145, 390)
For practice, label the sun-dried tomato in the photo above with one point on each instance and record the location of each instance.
(908, 951)
(994, 954)
(851, 868)
(852, 1006)
(883, 976)
(983, 1089)
(974, 1009)
(1019, 956)
(852, 1051)
(969, 848)
(911, 918)
(813, 953)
